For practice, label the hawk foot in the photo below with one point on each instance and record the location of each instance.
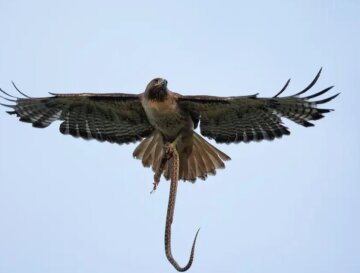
(157, 176)
(168, 152)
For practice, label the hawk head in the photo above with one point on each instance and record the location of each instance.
(157, 89)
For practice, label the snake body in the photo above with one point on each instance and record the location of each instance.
(174, 165)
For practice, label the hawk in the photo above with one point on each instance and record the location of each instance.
(159, 116)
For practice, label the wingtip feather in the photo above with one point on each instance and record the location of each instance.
(311, 84)
(17, 89)
(283, 89)
(327, 99)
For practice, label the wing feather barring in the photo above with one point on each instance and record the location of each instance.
(165, 123)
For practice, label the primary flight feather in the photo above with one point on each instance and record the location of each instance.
(164, 122)
(158, 116)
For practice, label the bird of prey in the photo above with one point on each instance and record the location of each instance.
(158, 117)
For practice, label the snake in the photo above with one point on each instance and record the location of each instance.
(173, 156)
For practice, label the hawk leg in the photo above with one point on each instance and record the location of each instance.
(160, 170)
(168, 152)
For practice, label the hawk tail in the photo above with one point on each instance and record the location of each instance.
(204, 158)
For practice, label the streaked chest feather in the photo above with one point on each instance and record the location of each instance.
(165, 116)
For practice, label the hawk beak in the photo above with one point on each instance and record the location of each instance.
(162, 82)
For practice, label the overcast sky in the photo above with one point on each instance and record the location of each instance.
(73, 206)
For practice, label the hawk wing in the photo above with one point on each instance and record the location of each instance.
(113, 117)
(249, 118)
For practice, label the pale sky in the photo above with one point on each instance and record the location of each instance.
(74, 206)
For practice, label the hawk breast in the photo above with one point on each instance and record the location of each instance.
(166, 116)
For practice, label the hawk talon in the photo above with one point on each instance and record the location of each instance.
(153, 190)
(155, 184)
(169, 150)
(160, 171)
(157, 176)
(158, 114)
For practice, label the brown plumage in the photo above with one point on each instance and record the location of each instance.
(203, 160)
(159, 117)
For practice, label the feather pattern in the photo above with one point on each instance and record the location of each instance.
(251, 118)
(159, 116)
(115, 118)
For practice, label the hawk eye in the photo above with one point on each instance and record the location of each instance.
(157, 81)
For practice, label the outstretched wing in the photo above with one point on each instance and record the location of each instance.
(114, 117)
(249, 118)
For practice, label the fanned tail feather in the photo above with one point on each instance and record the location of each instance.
(150, 151)
(203, 160)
